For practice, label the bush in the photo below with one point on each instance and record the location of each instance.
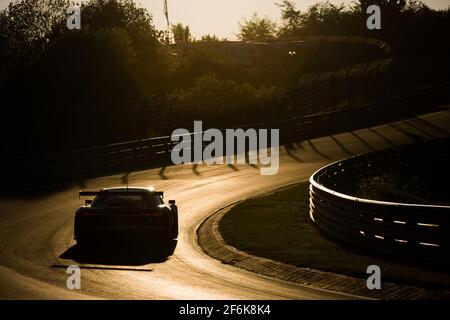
(212, 98)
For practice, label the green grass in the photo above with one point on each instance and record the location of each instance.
(278, 227)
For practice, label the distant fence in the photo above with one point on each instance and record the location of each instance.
(412, 230)
(350, 39)
(19, 173)
(370, 82)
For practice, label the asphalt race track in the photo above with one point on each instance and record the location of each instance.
(36, 244)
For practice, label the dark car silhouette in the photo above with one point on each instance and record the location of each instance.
(120, 214)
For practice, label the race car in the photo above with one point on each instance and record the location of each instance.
(125, 213)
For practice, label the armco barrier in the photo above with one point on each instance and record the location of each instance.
(412, 230)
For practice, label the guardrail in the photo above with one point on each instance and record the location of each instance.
(412, 230)
(349, 39)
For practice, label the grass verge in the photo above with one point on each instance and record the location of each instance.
(277, 226)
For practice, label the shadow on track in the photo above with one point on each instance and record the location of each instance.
(290, 149)
(342, 146)
(412, 135)
(130, 254)
(317, 151)
(431, 125)
(384, 138)
(364, 142)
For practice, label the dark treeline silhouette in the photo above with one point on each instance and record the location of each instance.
(410, 26)
(117, 54)
(54, 79)
(64, 89)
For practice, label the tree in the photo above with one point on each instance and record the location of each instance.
(26, 28)
(389, 5)
(321, 18)
(194, 61)
(291, 18)
(416, 6)
(137, 22)
(257, 29)
(181, 33)
(210, 38)
(117, 39)
(55, 76)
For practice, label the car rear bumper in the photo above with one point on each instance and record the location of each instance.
(121, 233)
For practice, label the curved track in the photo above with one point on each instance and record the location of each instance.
(36, 242)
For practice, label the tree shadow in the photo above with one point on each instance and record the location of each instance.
(411, 135)
(289, 148)
(251, 162)
(125, 178)
(31, 193)
(37, 185)
(341, 145)
(364, 142)
(195, 169)
(81, 184)
(161, 173)
(320, 153)
(125, 254)
(431, 125)
(416, 127)
(385, 139)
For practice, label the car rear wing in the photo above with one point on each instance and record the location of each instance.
(118, 193)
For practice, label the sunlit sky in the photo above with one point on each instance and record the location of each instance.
(221, 17)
